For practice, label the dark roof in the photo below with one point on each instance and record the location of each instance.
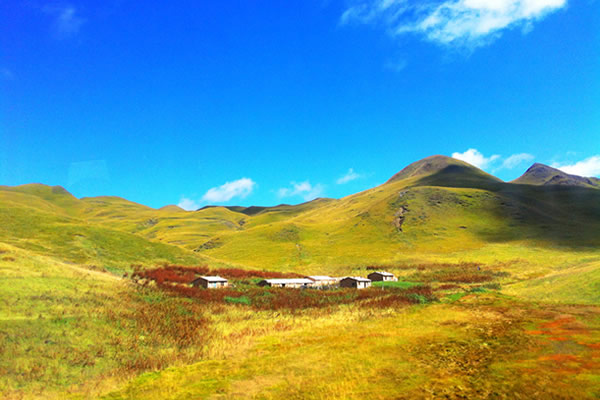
(382, 273)
(357, 278)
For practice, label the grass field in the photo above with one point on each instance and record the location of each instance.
(497, 298)
(481, 346)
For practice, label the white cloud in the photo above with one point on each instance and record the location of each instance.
(188, 204)
(465, 23)
(349, 176)
(67, 21)
(240, 188)
(474, 157)
(516, 159)
(304, 189)
(587, 167)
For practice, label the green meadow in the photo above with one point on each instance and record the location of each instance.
(497, 297)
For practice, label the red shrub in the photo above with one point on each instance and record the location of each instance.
(161, 275)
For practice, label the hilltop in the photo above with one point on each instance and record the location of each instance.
(438, 164)
(540, 174)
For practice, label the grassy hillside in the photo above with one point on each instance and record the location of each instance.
(504, 301)
(445, 212)
(71, 331)
(51, 224)
(433, 208)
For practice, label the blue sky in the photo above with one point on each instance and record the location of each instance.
(241, 102)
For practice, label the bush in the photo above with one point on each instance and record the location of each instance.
(492, 286)
(418, 298)
(395, 285)
(238, 300)
(478, 289)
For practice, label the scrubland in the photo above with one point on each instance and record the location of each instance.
(446, 329)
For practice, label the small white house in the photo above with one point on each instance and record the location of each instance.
(322, 280)
(381, 276)
(289, 283)
(356, 282)
(210, 282)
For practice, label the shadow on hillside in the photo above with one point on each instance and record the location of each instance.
(557, 215)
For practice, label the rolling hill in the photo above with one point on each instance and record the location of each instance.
(434, 207)
(82, 332)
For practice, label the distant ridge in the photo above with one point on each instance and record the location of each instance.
(540, 174)
(172, 207)
(41, 190)
(254, 210)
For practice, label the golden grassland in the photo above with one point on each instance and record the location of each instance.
(514, 269)
(68, 331)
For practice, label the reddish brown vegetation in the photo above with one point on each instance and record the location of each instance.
(175, 280)
(413, 295)
(183, 274)
(464, 272)
(158, 323)
(448, 286)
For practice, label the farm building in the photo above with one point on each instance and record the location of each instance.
(290, 283)
(210, 282)
(381, 276)
(320, 280)
(356, 282)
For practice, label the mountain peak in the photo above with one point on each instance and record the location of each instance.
(541, 174)
(431, 165)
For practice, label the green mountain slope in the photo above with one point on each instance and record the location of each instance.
(434, 207)
(47, 221)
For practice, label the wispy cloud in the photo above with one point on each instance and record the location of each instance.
(587, 167)
(66, 20)
(188, 204)
(494, 162)
(474, 157)
(516, 159)
(240, 188)
(348, 177)
(304, 189)
(462, 23)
